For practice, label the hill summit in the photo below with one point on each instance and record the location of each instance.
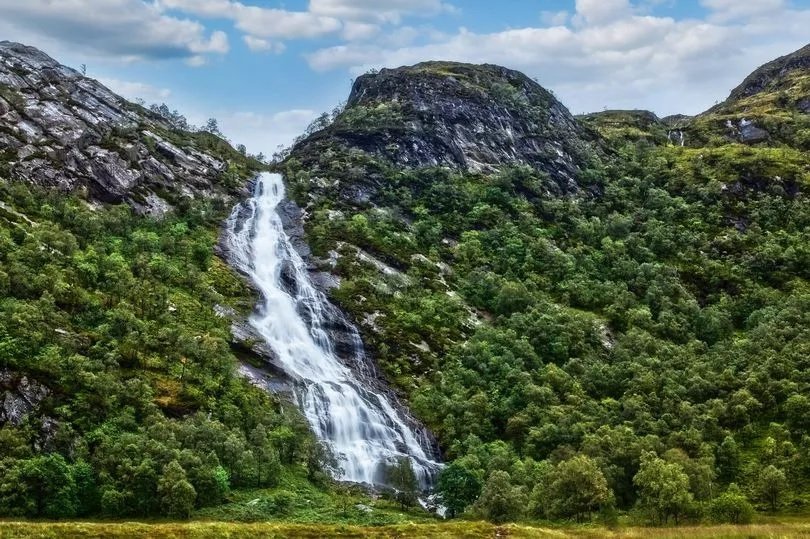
(464, 116)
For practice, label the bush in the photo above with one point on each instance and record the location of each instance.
(500, 501)
(732, 506)
(279, 503)
(577, 488)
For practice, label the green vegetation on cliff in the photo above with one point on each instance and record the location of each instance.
(601, 319)
(654, 331)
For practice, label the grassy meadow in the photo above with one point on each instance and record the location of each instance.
(444, 530)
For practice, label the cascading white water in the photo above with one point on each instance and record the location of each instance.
(362, 426)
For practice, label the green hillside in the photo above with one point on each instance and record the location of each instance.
(604, 320)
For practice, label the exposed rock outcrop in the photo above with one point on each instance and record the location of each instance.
(774, 75)
(767, 108)
(471, 117)
(61, 129)
(19, 395)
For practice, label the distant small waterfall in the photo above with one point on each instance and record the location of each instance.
(363, 427)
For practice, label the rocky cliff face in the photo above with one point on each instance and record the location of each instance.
(778, 75)
(771, 106)
(466, 117)
(61, 129)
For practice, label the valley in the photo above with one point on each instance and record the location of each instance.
(460, 293)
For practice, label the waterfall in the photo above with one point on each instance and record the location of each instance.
(363, 426)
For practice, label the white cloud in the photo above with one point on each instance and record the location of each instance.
(597, 12)
(136, 90)
(357, 31)
(260, 21)
(197, 60)
(261, 131)
(727, 10)
(264, 132)
(258, 44)
(390, 11)
(125, 29)
(554, 18)
(611, 57)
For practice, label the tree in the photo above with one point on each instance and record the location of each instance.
(797, 408)
(663, 488)
(732, 506)
(177, 495)
(212, 126)
(458, 488)
(577, 488)
(500, 501)
(87, 495)
(772, 486)
(402, 479)
(728, 460)
(47, 483)
(700, 472)
(269, 465)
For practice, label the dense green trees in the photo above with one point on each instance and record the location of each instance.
(663, 311)
(663, 488)
(771, 486)
(177, 495)
(143, 413)
(499, 500)
(732, 506)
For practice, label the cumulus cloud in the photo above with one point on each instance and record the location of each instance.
(358, 31)
(258, 44)
(136, 90)
(612, 55)
(378, 10)
(265, 132)
(597, 12)
(128, 29)
(260, 21)
(727, 10)
(554, 18)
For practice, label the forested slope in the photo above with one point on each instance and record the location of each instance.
(636, 340)
(118, 386)
(607, 314)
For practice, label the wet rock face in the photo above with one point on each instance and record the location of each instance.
(750, 133)
(471, 117)
(61, 129)
(19, 395)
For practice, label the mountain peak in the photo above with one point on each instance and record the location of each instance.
(778, 74)
(462, 116)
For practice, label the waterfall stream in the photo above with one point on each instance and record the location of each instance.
(363, 426)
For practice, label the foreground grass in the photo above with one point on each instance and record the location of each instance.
(458, 529)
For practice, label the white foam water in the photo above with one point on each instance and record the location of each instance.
(364, 429)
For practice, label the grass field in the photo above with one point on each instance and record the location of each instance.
(48, 530)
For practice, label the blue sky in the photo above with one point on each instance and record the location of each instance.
(265, 68)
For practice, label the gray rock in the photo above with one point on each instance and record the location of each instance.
(97, 139)
(462, 116)
(325, 281)
(19, 395)
(750, 133)
(292, 219)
